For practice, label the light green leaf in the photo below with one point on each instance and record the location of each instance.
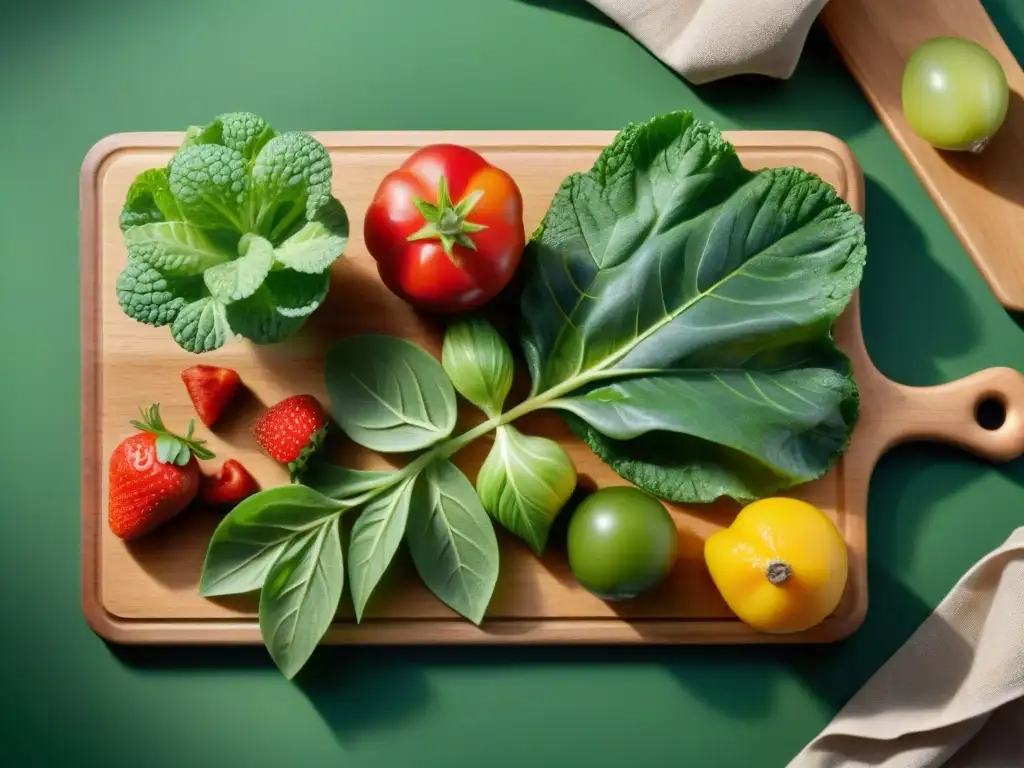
(257, 319)
(341, 482)
(211, 185)
(479, 363)
(176, 248)
(291, 180)
(297, 294)
(149, 200)
(319, 243)
(389, 394)
(300, 596)
(201, 326)
(253, 534)
(240, 278)
(668, 257)
(376, 535)
(452, 540)
(524, 482)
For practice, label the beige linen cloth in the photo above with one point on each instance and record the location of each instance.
(953, 694)
(705, 40)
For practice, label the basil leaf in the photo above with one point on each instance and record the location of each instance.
(301, 594)
(389, 394)
(253, 534)
(376, 535)
(452, 540)
(341, 482)
(524, 482)
(479, 363)
(668, 259)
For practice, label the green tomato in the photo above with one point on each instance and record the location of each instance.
(621, 542)
(955, 94)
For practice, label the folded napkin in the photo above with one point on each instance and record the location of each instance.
(706, 40)
(953, 695)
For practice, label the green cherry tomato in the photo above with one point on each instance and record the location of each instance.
(955, 94)
(621, 542)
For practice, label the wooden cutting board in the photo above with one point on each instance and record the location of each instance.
(147, 591)
(981, 196)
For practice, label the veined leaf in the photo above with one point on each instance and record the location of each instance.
(524, 483)
(240, 278)
(300, 596)
(252, 535)
(339, 482)
(376, 535)
(389, 394)
(452, 540)
(479, 363)
(670, 261)
(149, 200)
(201, 326)
(176, 248)
(320, 241)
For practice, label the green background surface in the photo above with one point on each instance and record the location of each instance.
(74, 71)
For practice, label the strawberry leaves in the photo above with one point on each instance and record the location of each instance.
(170, 447)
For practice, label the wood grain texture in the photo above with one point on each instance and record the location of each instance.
(981, 196)
(146, 592)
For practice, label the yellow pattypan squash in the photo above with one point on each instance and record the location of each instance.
(781, 566)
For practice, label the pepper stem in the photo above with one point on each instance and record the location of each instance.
(778, 571)
(446, 221)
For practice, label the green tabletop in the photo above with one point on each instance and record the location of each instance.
(74, 71)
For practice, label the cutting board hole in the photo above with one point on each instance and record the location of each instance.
(990, 413)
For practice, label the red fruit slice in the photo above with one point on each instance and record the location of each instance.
(230, 485)
(211, 389)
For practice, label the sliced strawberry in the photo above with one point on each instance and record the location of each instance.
(292, 430)
(229, 486)
(211, 389)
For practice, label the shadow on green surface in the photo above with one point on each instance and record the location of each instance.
(901, 273)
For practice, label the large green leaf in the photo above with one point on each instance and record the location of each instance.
(669, 264)
(319, 242)
(176, 248)
(452, 540)
(301, 594)
(240, 278)
(148, 200)
(252, 536)
(388, 394)
(201, 326)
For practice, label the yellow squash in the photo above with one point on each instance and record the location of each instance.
(781, 566)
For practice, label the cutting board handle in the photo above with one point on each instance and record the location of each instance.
(949, 413)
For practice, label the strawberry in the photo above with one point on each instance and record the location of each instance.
(211, 390)
(153, 475)
(291, 431)
(229, 486)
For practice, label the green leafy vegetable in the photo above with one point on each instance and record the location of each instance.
(524, 483)
(680, 307)
(342, 482)
(301, 595)
(479, 363)
(389, 394)
(452, 541)
(235, 237)
(375, 538)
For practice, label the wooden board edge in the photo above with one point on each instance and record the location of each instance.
(597, 631)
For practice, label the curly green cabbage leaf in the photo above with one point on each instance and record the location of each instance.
(678, 308)
(234, 237)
